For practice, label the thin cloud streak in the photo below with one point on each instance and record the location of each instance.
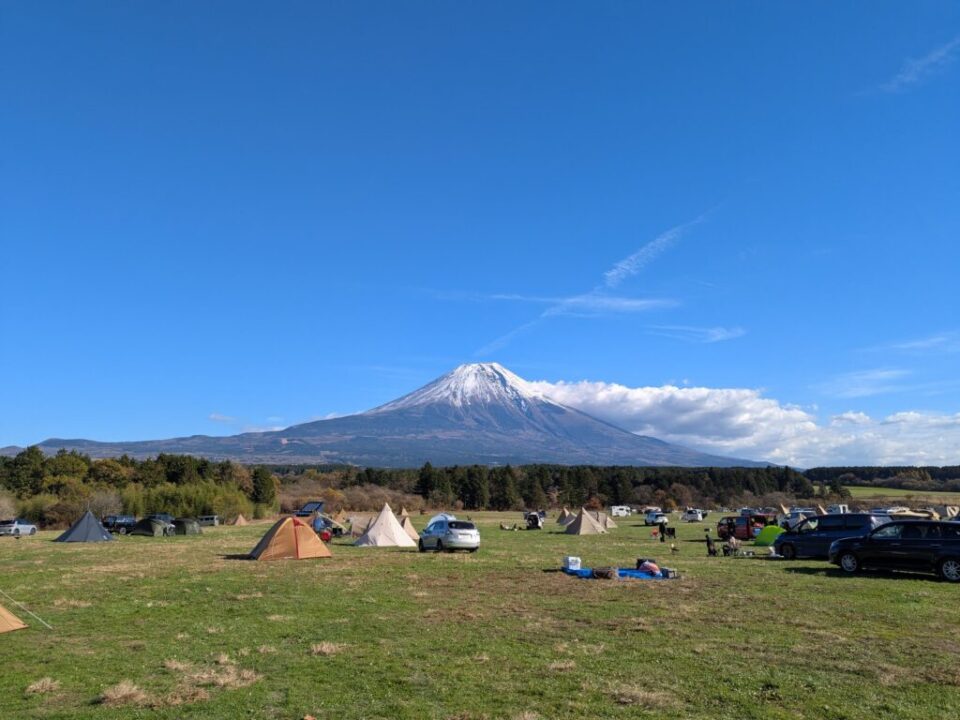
(592, 302)
(914, 71)
(629, 266)
(698, 334)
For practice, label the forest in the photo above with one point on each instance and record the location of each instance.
(55, 489)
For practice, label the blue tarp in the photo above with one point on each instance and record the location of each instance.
(587, 573)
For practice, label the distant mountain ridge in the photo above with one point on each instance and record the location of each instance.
(479, 413)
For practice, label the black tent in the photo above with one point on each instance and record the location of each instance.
(86, 529)
(186, 526)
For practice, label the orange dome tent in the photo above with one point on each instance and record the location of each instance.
(290, 538)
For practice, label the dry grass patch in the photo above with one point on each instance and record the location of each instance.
(66, 603)
(43, 686)
(177, 666)
(228, 676)
(527, 715)
(278, 618)
(562, 665)
(123, 693)
(224, 659)
(266, 650)
(327, 648)
(650, 700)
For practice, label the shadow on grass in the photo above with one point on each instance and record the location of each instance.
(237, 556)
(832, 572)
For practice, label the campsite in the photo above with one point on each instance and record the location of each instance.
(177, 627)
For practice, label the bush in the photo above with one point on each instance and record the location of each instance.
(8, 507)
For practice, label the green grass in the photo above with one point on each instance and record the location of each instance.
(934, 496)
(491, 635)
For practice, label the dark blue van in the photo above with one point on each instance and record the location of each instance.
(813, 536)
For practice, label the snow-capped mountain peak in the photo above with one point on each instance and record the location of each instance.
(471, 384)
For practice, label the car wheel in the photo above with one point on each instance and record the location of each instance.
(788, 551)
(950, 570)
(473, 550)
(16, 532)
(439, 545)
(420, 546)
(850, 562)
(122, 531)
(33, 531)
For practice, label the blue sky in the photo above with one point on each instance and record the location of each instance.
(224, 216)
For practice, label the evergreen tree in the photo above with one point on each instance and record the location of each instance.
(264, 487)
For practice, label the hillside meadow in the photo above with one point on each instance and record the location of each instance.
(915, 497)
(176, 628)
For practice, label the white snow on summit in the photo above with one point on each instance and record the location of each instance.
(473, 384)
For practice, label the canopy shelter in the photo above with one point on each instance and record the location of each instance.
(408, 528)
(584, 524)
(150, 528)
(187, 526)
(86, 529)
(10, 622)
(290, 538)
(241, 520)
(385, 531)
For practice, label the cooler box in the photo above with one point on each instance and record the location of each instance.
(571, 563)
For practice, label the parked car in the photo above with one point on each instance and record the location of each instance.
(119, 524)
(692, 515)
(813, 536)
(17, 527)
(209, 520)
(655, 517)
(921, 545)
(620, 511)
(443, 534)
(743, 527)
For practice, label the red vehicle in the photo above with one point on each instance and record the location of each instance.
(743, 527)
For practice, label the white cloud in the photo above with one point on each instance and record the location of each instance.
(592, 303)
(698, 334)
(944, 342)
(865, 383)
(914, 71)
(220, 418)
(741, 422)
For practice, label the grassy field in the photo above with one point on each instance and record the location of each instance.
(946, 498)
(173, 628)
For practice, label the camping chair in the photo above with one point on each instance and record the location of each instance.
(654, 534)
(670, 532)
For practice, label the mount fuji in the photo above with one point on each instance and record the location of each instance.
(479, 413)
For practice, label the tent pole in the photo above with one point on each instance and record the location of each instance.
(26, 610)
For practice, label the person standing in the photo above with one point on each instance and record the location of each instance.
(663, 531)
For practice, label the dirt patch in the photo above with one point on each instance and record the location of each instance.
(639, 697)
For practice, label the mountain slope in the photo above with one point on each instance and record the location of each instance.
(479, 413)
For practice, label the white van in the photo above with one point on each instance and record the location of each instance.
(620, 510)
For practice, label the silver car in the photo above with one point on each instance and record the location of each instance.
(444, 534)
(17, 528)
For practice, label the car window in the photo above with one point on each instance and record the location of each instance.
(853, 522)
(888, 532)
(831, 523)
(461, 525)
(809, 525)
(431, 528)
(951, 531)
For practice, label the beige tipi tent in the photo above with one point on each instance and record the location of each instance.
(385, 531)
(565, 517)
(359, 524)
(340, 517)
(408, 528)
(584, 524)
(9, 622)
(606, 522)
(403, 512)
(241, 520)
(290, 538)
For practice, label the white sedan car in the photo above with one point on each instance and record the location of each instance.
(443, 534)
(17, 527)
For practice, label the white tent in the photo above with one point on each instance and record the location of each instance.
(385, 531)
